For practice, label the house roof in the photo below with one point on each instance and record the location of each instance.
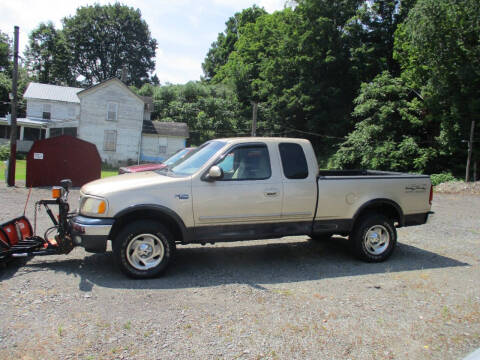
(103, 83)
(26, 122)
(52, 92)
(165, 128)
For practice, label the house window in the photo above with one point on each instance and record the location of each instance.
(162, 149)
(110, 140)
(112, 110)
(33, 134)
(47, 111)
(72, 131)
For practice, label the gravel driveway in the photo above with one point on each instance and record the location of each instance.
(278, 299)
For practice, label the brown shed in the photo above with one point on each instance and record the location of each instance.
(62, 157)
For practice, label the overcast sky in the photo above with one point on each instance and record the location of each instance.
(184, 29)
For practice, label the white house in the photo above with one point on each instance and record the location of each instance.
(51, 111)
(162, 139)
(112, 117)
(108, 114)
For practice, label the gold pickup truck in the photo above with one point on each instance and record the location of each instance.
(243, 189)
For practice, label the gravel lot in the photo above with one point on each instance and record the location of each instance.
(277, 299)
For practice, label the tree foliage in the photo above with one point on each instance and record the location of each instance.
(438, 48)
(221, 49)
(209, 110)
(5, 52)
(6, 67)
(47, 56)
(390, 133)
(103, 39)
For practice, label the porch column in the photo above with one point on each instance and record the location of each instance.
(47, 133)
(22, 132)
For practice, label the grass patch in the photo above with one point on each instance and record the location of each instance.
(21, 171)
(108, 173)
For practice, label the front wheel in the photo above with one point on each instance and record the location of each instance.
(144, 249)
(374, 238)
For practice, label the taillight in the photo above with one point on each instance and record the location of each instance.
(431, 195)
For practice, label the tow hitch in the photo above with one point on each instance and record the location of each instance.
(19, 239)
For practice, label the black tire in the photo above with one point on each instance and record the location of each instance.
(321, 237)
(144, 249)
(374, 238)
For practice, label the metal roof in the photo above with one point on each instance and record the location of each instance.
(26, 122)
(52, 92)
(165, 128)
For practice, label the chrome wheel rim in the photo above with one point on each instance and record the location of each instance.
(376, 239)
(145, 251)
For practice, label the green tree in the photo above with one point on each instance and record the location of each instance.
(390, 133)
(5, 89)
(438, 48)
(5, 68)
(5, 52)
(221, 49)
(47, 56)
(371, 35)
(209, 110)
(103, 39)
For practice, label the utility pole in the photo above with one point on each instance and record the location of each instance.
(254, 118)
(13, 126)
(470, 146)
(474, 170)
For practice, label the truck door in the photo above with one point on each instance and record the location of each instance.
(247, 200)
(299, 185)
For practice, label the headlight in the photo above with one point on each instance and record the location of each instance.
(91, 206)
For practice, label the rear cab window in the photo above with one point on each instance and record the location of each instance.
(294, 162)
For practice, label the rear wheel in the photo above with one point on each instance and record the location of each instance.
(374, 238)
(144, 249)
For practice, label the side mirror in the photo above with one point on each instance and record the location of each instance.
(214, 173)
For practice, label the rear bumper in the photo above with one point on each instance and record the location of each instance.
(416, 219)
(91, 233)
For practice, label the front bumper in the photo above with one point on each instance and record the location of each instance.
(91, 233)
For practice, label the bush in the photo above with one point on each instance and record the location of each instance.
(21, 156)
(4, 152)
(441, 178)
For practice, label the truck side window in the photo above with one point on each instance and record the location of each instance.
(294, 162)
(250, 162)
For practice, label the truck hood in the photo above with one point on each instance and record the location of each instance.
(115, 184)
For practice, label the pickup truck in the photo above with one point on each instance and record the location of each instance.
(244, 189)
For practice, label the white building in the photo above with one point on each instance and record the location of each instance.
(51, 111)
(108, 114)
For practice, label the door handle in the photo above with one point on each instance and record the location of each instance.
(271, 192)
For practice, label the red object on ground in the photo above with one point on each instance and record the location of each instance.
(62, 157)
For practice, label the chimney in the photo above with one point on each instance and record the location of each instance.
(124, 73)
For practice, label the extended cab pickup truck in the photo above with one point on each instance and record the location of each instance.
(244, 189)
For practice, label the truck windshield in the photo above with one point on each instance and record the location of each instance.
(177, 156)
(190, 164)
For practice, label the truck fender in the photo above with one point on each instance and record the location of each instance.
(151, 211)
(386, 207)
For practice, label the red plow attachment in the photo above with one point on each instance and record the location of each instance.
(18, 238)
